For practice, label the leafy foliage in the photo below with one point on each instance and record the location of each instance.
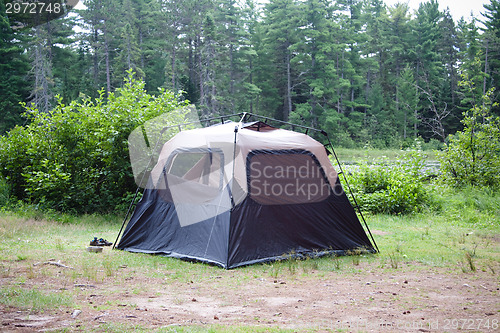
(472, 156)
(4, 192)
(396, 188)
(13, 68)
(75, 158)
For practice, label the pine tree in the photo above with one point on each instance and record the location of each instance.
(316, 59)
(408, 101)
(471, 69)
(152, 43)
(269, 100)
(124, 28)
(282, 20)
(429, 70)
(248, 90)
(64, 60)
(13, 68)
(491, 46)
(41, 69)
(93, 24)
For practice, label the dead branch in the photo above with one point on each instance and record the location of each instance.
(55, 263)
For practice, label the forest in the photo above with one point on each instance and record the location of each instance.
(408, 97)
(367, 73)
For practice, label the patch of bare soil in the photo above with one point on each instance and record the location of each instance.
(412, 298)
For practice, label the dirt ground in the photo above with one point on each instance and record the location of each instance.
(412, 298)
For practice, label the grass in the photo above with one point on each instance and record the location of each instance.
(468, 222)
(223, 329)
(119, 328)
(434, 240)
(347, 155)
(33, 300)
(463, 238)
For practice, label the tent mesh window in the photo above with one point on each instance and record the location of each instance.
(192, 176)
(203, 168)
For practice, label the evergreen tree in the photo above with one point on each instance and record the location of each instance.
(249, 92)
(314, 55)
(64, 60)
(491, 46)
(125, 40)
(282, 21)
(429, 70)
(408, 101)
(471, 69)
(268, 100)
(152, 43)
(40, 52)
(13, 69)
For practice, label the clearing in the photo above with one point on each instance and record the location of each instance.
(436, 278)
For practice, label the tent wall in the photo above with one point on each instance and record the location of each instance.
(154, 228)
(261, 233)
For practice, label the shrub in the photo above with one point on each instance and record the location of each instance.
(392, 188)
(472, 156)
(4, 192)
(75, 158)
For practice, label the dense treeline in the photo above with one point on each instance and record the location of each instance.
(363, 71)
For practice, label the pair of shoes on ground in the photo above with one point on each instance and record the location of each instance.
(100, 242)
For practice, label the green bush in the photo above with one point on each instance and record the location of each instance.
(472, 156)
(4, 192)
(392, 188)
(75, 158)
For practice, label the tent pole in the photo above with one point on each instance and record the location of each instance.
(141, 182)
(234, 158)
(248, 115)
(350, 190)
(126, 216)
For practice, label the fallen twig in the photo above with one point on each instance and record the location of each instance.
(55, 263)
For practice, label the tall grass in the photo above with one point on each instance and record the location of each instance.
(34, 300)
(470, 206)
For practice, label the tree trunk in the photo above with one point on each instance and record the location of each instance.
(140, 47)
(129, 52)
(485, 70)
(106, 54)
(41, 94)
(250, 63)
(338, 89)
(415, 129)
(173, 69)
(231, 76)
(200, 73)
(190, 62)
(367, 91)
(288, 104)
(95, 58)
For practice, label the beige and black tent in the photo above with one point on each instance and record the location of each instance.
(234, 194)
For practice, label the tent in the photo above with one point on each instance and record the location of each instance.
(235, 194)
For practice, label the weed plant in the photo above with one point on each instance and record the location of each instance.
(393, 187)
